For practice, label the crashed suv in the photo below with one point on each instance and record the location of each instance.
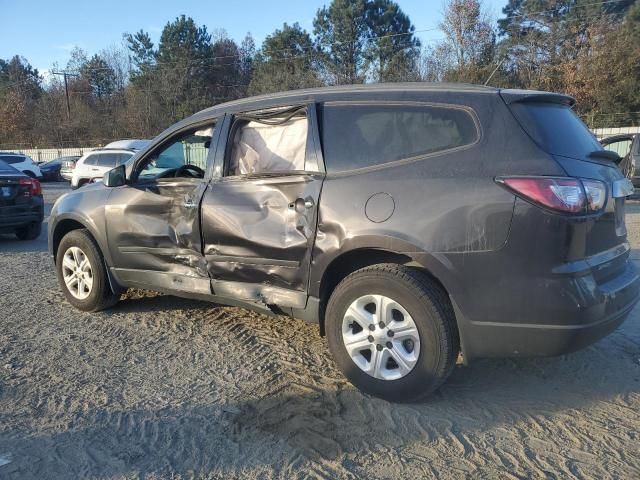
(411, 222)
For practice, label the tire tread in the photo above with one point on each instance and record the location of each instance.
(428, 292)
(107, 298)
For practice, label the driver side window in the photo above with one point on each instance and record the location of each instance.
(185, 155)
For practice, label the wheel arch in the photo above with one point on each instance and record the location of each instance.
(70, 223)
(61, 228)
(352, 260)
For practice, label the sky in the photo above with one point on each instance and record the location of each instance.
(45, 32)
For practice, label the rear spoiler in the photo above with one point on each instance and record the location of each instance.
(519, 96)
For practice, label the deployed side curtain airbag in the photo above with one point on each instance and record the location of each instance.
(265, 145)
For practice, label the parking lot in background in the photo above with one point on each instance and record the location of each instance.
(159, 386)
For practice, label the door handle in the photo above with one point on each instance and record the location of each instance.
(300, 204)
(188, 203)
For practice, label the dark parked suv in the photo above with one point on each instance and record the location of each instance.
(411, 222)
(21, 203)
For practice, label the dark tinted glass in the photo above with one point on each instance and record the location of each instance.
(356, 136)
(107, 159)
(11, 159)
(5, 168)
(556, 129)
(90, 160)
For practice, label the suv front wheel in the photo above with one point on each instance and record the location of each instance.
(392, 332)
(82, 273)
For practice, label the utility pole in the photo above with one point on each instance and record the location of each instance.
(66, 88)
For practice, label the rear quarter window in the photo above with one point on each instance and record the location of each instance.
(12, 159)
(5, 168)
(556, 129)
(358, 136)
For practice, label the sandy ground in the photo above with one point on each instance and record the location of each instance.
(160, 387)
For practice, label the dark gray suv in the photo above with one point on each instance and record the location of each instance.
(412, 222)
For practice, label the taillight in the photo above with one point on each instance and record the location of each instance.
(34, 186)
(563, 194)
(596, 194)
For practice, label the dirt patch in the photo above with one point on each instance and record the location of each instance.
(162, 387)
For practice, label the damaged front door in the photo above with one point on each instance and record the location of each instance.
(153, 222)
(259, 216)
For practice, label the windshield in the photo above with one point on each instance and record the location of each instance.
(556, 128)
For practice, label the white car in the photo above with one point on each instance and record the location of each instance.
(21, 162)
(93, 165)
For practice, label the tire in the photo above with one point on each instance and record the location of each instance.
(99, 295)
(408, 292)
(30, 232)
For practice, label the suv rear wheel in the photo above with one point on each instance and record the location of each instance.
(82, 273)
(392, 332)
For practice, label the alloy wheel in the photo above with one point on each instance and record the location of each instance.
(77, 273)
(381, 337)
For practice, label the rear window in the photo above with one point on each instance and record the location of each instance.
(11, 159)
(556, 129)
(357, 136)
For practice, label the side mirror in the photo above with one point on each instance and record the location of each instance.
(116, 177)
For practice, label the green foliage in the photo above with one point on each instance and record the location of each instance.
(393, 49)
(285, 62)
(100, 76)
(587, 49)
(141, 48)
(342, 35)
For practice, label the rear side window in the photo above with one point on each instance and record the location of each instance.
(90, 160)
(357, 136)
(556, 129)
(12, 159)
(5, 168)
(107, 159)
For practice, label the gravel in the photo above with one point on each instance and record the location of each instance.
(162, 387)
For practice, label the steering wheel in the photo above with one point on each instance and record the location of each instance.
(190, 169)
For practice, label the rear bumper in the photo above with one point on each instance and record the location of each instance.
(9, 223)
(20, 216)
(590, 312)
